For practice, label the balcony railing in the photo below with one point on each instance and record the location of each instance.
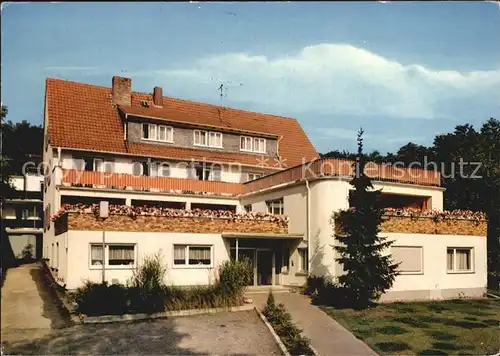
(326, 167)
(344, 168)
(128, 181)
(23, 223)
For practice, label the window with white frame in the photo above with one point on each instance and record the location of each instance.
(163, 170)
(215, 139)
(259, 145)
(113, 255)
(155, 132)
(207, 138)
(253, 176)
(303, 260)
(192, 255)
(141, 168)
(252, 144)
(410, 258)
(275, 207)
(459, 259)
(101, 165)
(246, 144)
(165, 133)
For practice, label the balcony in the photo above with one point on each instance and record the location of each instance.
(331, 167)
(140, 219)
(430, 222)
(23, 223)
(91, 179)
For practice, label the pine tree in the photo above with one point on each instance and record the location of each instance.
(367, 272)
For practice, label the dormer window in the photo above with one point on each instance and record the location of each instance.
(207, 138)
(252, 144)
(159, 133)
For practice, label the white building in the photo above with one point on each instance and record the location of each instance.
(21, 217)
(145, 149)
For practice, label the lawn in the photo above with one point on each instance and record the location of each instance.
(466, 327)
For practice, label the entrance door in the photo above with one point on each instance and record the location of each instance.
(264, 267)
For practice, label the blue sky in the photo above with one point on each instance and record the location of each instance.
(404, 71)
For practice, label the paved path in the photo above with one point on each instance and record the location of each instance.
(238, 333)
(328, 337)
(29, 309)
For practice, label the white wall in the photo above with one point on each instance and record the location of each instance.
(148, 243)
(435, 277)
(294, 203)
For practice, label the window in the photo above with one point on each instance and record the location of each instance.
(215, 139)
(253, 176)
(259, 145)
(200, 138)
(409, 257)
(149, 131)
(208, 173)
(246, 144)
(157, 133)
(141, 169)
(165, 133)
(101, 165)
(114, 255)
(96, 255)
(275, 207)
(163, 170)
(207, 138)
(121, 255)
(252, 144)
(459, 259)
(303, 260)
(248, 208)
(83, 164)
(192, 255)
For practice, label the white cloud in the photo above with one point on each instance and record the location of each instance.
(335, 79)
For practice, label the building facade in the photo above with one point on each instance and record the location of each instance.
(202, 184)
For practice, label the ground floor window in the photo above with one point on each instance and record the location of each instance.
(409, 258)
(459, 259)
(192, 255)
(113, 254)
(303, 260)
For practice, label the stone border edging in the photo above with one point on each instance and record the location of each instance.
(143, 316)
(276, 337)
(273, 333)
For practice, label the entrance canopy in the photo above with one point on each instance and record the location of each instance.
(266, 236)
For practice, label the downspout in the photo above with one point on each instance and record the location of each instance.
(308, 228)
(125, 128)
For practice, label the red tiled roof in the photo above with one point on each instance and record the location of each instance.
(82, 116)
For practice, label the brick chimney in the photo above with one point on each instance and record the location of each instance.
(158, 96)
(122, 91)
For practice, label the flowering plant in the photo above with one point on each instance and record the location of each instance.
(134, 211)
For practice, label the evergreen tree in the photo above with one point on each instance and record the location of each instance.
(367, 272)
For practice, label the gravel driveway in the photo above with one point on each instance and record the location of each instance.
(237, 333)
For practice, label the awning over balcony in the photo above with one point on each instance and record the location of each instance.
(249, 235)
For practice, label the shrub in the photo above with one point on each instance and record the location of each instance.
(100, 299)
(282, 323)
(146, 292)
(234, 276)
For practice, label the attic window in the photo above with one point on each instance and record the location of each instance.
(144, 104)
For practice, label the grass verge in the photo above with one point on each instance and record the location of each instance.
(470, 327)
